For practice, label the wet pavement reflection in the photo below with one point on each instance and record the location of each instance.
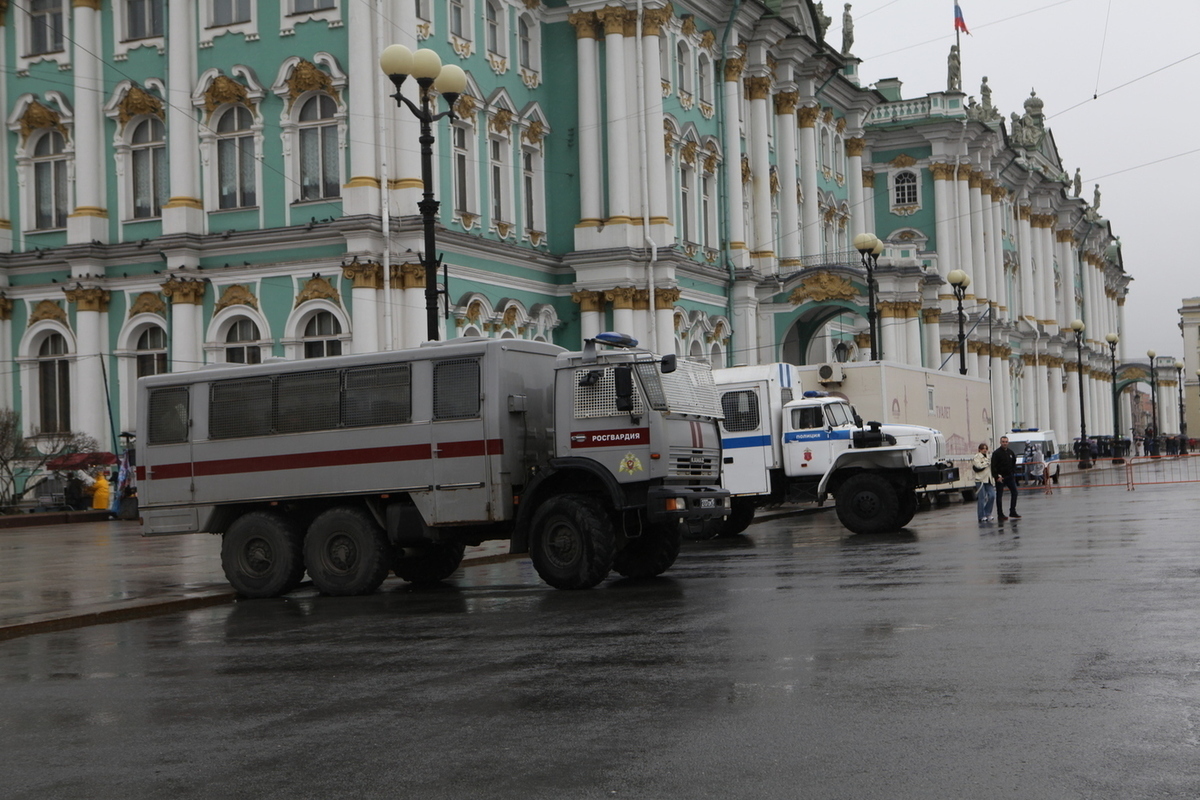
(1053, 656)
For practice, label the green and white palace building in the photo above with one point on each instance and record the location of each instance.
(203, 181)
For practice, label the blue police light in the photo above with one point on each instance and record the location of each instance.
(815, 393)
(614, 339)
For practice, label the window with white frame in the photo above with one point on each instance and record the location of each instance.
(904, 189)
(54, 385)
(50, 181)
(143, 19)
(230, 12)
(152, 352)
(707, 210)
(148, 156)
(826, 149)
(686, 180)
(241, 343)
(423, 12)
(704, 78)
(307, 6)
(318, 148)
(46, 26)
(459, 19)
(525, 43)
(532, 189)
(236, 185)
(464, 201)
(498, 167)
(494, 23)
(321, 336)
(683, 62)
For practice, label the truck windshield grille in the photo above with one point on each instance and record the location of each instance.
(596, 395)
(687, 390)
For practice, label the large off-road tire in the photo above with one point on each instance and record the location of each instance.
(909, 503)
(346, 552)
(868, 503)
(572, 542)
(261, 554)
(428, 563)
(741, 514)
(650, 554)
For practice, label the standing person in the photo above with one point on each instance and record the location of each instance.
(1004, 469)
(1035, 465)
(985, 490)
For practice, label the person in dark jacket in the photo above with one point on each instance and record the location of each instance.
(1004, 470)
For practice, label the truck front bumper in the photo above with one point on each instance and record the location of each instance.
(933, 474)
(686, 503)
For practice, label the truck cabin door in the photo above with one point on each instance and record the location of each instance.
(165, 462)
(808, 441)
(461, 448)
(745, 441)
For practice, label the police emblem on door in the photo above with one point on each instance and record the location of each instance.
(630, 463)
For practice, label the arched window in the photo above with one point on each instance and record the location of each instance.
(905, 184)
(319, 173)
(683, 64)
(149, 156)
(235, 159)
(152, 352)
(54, 385)
(238, 350)
(320, 336)
(826, 153)
(50, 181)
(704, 78)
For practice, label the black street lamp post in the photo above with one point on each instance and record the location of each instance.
(869, 247)
(398, 62)
(959, 281)
(1182, 410)
(1085, 451)
(1152, 446)
(1118, 450)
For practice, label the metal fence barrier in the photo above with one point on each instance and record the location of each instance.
(1128, 472)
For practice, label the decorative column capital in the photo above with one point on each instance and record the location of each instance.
(665, 299)
(91, 298)
(785, 102)
(734, 67)
(586, 24)
(868, 178)
(412, 276)
(641, 300)
(806, 116)
(612, 19)
(363, 276)
(620, 296)
(1024, 212)
(942, 171)
(758, 87)
(188, 291)
(930, 316)
(6, 307)
(855, 147)
(588, 301)
(1064, 235)
(655, 19)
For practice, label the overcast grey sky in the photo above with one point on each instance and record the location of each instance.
(1141, 61)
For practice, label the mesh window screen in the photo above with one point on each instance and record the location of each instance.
(741, 411)
(307, 401)
(456, 389)
(239, 408)
(169, 416)
(377, 396)
(596, 395)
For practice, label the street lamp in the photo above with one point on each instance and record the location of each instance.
(959, 281)
(1085, 452)
(1153, 403)
(1182, 410)
(869, 247)
(398, 62)
(1118, 451)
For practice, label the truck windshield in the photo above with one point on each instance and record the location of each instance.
(687, 390)
(839, 414)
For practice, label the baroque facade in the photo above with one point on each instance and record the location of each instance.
(209, 181)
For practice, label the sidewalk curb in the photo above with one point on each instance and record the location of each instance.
(150, 607)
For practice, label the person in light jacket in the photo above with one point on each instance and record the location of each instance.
(985, 489)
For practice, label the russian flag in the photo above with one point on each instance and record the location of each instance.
(960, 24)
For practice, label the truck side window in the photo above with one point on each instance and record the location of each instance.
(168, 415)
(377, 396)
(307, 401)
(741, 411)
(456, 389)
(239, 408)
(839, 414)
(810, 417)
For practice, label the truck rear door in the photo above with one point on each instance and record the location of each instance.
(166, 485)
(746, 440)
(462, 451)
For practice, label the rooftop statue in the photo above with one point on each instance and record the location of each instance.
(1078, 182)
(953, 71)
(847, 31)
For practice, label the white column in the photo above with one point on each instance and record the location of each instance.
(591, 158)
(184, 211)
(622, 300)
(617, 113)
(762, 246)
(1068, 263)
(1043, 393)
(1046, 250)
(89, 412)
(1003, 412)
(185, 327)
(989, 237)
(931, 333)
(887, 332)
(733, 160)
(1028, 417)
(591, 313)
(361, 192)
(365, 299)
(404, 152)
(790, 247)
(859, 218)
(1028, 307)
(745, 324)
(664, 319)
(810, 212)
(1058, 409)
(962, 220)
(912, 335)
(413, 318)
(656, 153)
(975, 225)
(89, 220)
(943, 200)
(1001, 277)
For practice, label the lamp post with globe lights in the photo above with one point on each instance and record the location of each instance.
(959, 281)
(1182, 420)
(398, 62)
(1085, 451)
(869, 247)
(1118, 450)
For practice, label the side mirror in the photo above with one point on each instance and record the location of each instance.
(623, 383)
(669, 364)
(858, 420)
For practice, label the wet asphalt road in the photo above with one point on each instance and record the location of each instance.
(1053, 658)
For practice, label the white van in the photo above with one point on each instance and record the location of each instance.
(1018, 439)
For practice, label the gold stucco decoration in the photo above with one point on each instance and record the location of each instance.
(501, 120)
(88, 299)
(308, 77)
(48, 309)
(822, 287)
(138, 102)
(148, 303)
(317, 288)
(6, 307)
(236, 295)
(223, 90)
(38, 116)
(903, 160)
(535, 132)
(185, 290)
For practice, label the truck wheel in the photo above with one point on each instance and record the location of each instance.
(741, 514)
(261, 555)
(650, 554)
(572, 542)
(346, 552)
(428, 563)
(867, 503)
(909, 502)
